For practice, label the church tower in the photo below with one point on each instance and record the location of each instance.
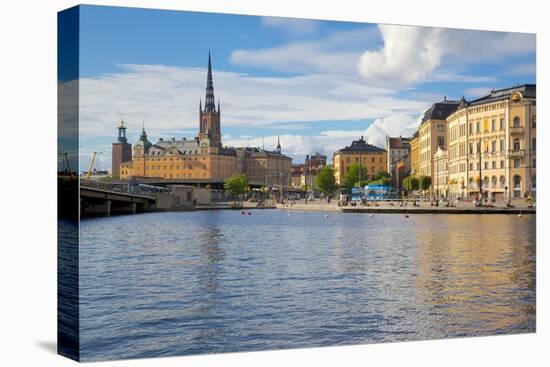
(121, 150)
(209, 124)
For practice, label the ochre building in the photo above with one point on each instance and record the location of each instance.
(372, 158)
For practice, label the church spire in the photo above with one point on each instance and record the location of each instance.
(278, 150)
(209, 103)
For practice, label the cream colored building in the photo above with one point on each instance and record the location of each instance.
(432, 134)
(415, 154)
(494, 138)
(441, 173)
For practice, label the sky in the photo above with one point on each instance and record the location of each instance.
(316, 84)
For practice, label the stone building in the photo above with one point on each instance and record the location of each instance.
(372, 158)
(492, 139)
(121, 151)
(432, 134)
(204, 159)
(415, 154)
(398, 149)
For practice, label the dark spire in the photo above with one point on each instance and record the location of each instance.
(278, 145)
(209, 104)
(219, 106)
(200, 105)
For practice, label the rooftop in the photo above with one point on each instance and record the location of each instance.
(362, 146)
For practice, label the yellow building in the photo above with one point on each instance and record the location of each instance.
(372, 158)
(441, 173)
(415, 154)
(432, 134)
(494, 138)
(204, 159)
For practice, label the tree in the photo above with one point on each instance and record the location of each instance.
(326, 182)
(236, 185)
(351, 178)
(410, 183)
(424, 182)
(382, 175)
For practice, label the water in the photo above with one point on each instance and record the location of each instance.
(217, 281)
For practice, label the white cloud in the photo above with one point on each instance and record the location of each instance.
(400, 124)
(412, 54)
(336, 53)
(167, 99)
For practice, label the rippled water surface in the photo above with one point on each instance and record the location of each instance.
(218, 281)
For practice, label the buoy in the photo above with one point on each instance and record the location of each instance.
(519, 215)
(370, 215)
(326, 215)
(249, 213)
(242, 212)
(406, 215)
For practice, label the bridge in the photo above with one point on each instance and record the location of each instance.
(98, 199)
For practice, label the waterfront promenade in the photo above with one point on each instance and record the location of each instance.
(424, 207)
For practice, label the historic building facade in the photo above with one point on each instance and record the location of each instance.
(204, 159)
(415, 154)
(492, 145)
(399, 162)
(432, 134)
(372, 158)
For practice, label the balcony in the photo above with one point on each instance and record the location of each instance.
(520, 153)
(517, 130)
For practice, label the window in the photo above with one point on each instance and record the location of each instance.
(477, 127)
(471, 166)
(486, 165)
(494, 146)
(502, 145)
(533, 143)
(502, 164)
(494, 164)
(534, 122)
(441, 141)
(493, 125)
(516, 144)
(516, 163)
(471, 148)
(517, 122)
(501, 124)
(471, 128)
(534, 162)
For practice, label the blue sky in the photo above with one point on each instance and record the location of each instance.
(317, 84)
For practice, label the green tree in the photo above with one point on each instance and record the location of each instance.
(326, 182)
(351, 178)
(424, 182)
(382, 175)
(236, 185)
(410, 183)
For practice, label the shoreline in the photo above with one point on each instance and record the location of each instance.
(407, 210)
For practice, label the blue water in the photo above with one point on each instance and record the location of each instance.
(218, 281)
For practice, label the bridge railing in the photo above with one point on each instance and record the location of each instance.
(125, 188)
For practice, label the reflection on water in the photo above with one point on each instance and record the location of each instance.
(204, 282)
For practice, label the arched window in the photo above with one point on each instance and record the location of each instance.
(517, 121)
(486, 181)
(502, 181)
(471, 182)
(516, 144)
(494, 182)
